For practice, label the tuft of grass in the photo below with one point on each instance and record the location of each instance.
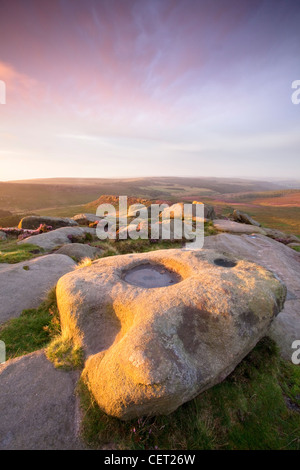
(248, 410)
(209, 229)
(84, 263)
(11, 252)
(40, 328)
(65, 353)
(296, 248)
(32, 330)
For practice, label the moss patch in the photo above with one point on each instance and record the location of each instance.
(32, 330)
(11, 252)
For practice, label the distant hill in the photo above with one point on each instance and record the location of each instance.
(40, 194)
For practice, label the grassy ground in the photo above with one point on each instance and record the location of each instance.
(40, 328)
(32, 330)
(256, 407)
(11, 252)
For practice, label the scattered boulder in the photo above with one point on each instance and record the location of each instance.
(51, 240)
(86, 219)
(209, 212)
(2, 236)
(38, 405)
(79, 251)
(281, 237)
(281, 260)
(244, 218)
(33, 222)
(134, 209)
(151, 349)
(24, 285)
(235, 227)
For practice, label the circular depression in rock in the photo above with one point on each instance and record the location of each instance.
(225, 263)
(150, 276)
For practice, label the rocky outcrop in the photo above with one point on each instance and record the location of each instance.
(281, 260)
(79, 251)
(33, 222)
(151, 349)
(51, 240)
(38, 405)
(244, 218)
(281, 237)
(24, 285)
(235, 227)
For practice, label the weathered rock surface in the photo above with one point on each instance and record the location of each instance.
(86, 218)
(61, 236)
(236, 227)
(244, 218)
(38, 405)
(79, 251)
(2, 236)
(34, 221)
(281, 260)
(24, 285)
(150, 350)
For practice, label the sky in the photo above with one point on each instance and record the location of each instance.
(127, 88)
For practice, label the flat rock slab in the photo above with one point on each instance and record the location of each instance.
(281, 260)
(79, 251)
(26, 288)
(61, 236)
(38, 405)
(235, 227)
(34, 221)
(153, 348)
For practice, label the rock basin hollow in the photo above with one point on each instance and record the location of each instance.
(151, 276)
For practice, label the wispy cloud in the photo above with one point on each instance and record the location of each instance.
(150, 80)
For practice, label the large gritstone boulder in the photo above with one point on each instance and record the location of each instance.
(159, 328)
(56, 238)
(33, 222)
